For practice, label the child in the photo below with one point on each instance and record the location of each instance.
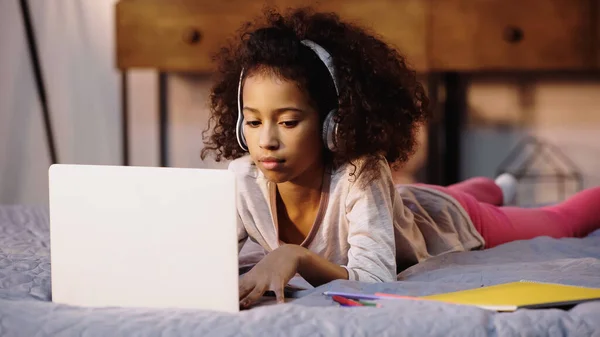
(322, 107)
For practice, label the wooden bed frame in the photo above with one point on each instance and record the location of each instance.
(442, 39)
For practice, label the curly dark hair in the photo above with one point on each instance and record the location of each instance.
(380, 104)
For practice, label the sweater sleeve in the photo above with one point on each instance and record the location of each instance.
(370, 211)
(241, 233)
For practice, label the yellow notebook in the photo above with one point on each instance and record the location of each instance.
(523, 294)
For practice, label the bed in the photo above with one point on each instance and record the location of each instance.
(26, 308)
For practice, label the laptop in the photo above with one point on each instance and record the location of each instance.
(145, 237)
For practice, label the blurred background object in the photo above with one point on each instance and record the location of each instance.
(540, 166)
(127, 81)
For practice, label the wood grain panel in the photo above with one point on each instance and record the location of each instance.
(401, 23)
(596, 34)
(511, 35)
(176, 35)
(181, 35)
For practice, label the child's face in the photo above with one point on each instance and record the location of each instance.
(282, 129)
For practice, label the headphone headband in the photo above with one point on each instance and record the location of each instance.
(326, 58)
(329, 127)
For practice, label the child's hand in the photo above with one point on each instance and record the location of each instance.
(272, 272)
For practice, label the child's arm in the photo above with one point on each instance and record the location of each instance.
(317, 270)
(276, 269)
(241, 233)
(370, 210)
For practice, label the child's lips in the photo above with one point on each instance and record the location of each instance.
(271, 163)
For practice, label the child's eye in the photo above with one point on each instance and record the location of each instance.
(289, 124)
(253, 123)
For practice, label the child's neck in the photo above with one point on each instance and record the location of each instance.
(303, 193)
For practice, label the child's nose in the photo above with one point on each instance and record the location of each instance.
(269, 137)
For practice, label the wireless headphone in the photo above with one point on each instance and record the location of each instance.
(329, 132)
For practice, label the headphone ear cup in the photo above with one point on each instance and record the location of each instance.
(239, 127)
(241, 138)
(329, 133)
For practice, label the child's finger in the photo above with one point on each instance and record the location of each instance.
(253, 295)
(278, 288)
(246, 285)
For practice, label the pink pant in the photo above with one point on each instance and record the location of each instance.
(575, 217)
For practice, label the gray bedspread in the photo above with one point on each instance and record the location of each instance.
(26, 309)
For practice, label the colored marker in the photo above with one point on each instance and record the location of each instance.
(352, 296)
(400, 297)
(346, 302)
(369, 304)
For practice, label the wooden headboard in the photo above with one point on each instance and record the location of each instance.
(435, 35)
(441, 38)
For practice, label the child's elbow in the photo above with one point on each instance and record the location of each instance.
(362, 275)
